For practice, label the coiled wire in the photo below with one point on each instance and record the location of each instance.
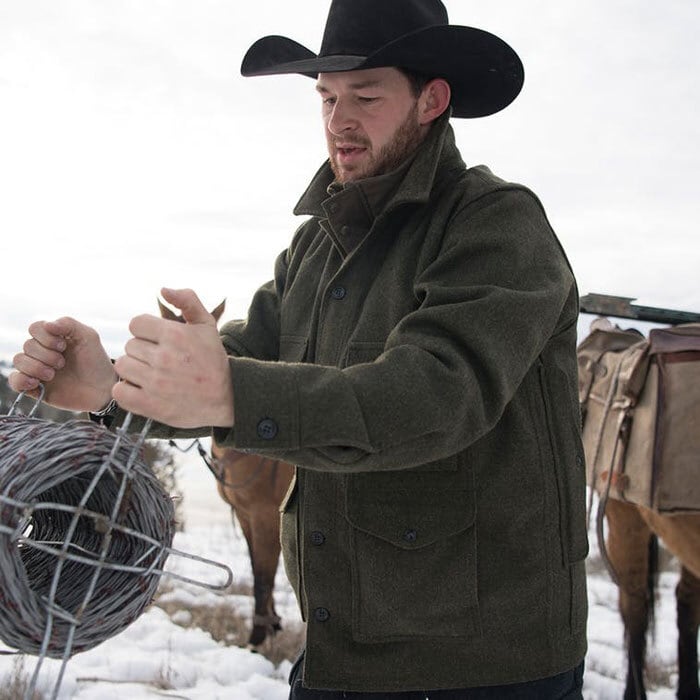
(85, 530)
(65, 549)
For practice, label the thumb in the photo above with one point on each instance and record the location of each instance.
(193, 311)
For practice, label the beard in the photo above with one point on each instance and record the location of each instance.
(403, 144)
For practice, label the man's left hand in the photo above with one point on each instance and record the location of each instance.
(176, 373)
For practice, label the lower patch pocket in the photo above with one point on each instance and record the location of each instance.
(414, 555)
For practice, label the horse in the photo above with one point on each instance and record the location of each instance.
(253, 487)
(640, 401)
(632, 551)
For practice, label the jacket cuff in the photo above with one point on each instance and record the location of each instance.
(265, 406)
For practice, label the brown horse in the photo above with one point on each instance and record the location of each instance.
(632, 553)
(640, 406)
(253, 487)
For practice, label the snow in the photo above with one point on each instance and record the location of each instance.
(160, 657)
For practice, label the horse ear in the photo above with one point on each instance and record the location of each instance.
(167, 313)
(219, 310)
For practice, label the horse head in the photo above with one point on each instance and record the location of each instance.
(167, 313)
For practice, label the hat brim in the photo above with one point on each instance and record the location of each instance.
(484, 72)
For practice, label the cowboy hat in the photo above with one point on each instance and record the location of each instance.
(484, 73)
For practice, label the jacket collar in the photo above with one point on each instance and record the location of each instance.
(410, 182)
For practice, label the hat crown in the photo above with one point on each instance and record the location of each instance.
(484, 73)
(360, 27)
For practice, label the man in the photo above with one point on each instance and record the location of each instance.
(415, 357)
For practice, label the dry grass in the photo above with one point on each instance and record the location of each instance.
(657, 674)
(160, 458)
(16, 685)
(227, 625)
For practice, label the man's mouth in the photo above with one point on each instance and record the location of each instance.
(349, 152)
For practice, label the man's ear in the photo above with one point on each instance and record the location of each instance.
(434, 100)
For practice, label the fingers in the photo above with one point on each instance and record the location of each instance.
(35, 369)
(131, 398)
(137, 366)
(20, 382)
(193, 311)
(41, 357)
(143, 350)
(147, 327)
(51, 334)
(36, 356)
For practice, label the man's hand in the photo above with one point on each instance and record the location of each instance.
(176, 373)
(68, 358)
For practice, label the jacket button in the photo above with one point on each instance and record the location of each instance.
(267, 429)
(317, 538)
(338, 293)
(410, 536)
(321, 614)
(579, 461)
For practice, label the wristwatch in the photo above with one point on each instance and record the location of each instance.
(105, 415)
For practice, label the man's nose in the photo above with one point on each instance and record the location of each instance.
(341, 118)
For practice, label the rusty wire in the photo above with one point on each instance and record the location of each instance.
(85, 530)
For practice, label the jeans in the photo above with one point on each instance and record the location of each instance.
(564, 686)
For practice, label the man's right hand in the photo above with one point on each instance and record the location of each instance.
(67, 357)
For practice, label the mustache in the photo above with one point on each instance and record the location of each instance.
(352, 143)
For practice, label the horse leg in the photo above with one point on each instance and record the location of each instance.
(248, 525)
(265, 553)
(628, 549)
(688, 620)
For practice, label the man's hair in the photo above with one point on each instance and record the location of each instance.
(417, 81)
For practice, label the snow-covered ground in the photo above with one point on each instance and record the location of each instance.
(157, 657)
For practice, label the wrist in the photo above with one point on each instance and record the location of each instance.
(106, 403)
(225, 418)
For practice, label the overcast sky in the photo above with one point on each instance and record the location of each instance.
(133, 155)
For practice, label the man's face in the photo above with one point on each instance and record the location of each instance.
(371, 121)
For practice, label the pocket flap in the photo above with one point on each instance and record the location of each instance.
(292, 348)
(412, 508)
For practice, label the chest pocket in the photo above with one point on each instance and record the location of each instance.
(292, 348)
(406, 526)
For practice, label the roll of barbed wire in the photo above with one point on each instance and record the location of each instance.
(85, 531)
(85, 528)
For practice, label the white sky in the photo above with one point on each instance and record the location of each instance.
(133, 155)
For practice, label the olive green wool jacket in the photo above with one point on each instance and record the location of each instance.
(415, 357)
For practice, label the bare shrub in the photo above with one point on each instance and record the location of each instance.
(17, 684)
(160, 458)
(657, 673)
(229, 626)
(285, 644)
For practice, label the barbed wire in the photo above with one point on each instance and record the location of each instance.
(85, 531)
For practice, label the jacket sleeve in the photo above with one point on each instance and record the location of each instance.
(489, 303)
(258, 335)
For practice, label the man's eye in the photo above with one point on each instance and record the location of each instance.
(329, 101)
(368, 99)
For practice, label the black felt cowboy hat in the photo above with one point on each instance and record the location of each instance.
(485, 74)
